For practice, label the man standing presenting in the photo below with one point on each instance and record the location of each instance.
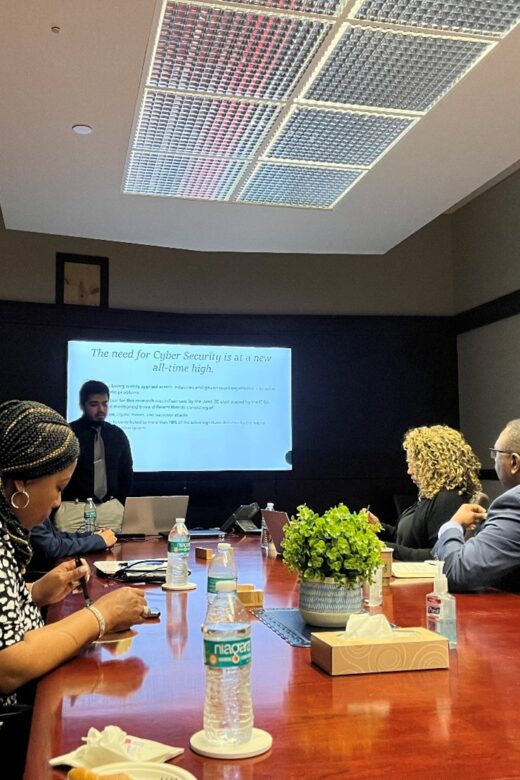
(104, 471)
(492, 557)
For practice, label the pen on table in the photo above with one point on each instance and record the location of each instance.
(83, 583)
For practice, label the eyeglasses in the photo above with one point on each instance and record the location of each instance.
(493, 452)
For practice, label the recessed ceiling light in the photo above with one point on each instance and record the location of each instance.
(82, 129)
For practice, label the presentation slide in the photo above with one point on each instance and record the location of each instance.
(192, 407)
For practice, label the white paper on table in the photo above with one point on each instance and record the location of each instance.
(115, 745)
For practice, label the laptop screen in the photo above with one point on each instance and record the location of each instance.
(150, 515)
(275, 522)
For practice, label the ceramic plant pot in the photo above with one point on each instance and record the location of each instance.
(325, 603)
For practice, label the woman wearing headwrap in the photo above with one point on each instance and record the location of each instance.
(38, 453)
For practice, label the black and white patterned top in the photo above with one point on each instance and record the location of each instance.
(18, 613)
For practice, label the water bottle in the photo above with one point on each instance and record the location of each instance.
(228, 710)
(89, 516)
(221, 569)
(178, 552)
(265, 536)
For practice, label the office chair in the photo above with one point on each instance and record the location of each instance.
(15, 725)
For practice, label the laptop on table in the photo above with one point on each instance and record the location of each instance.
(151, 515)
(275, 522)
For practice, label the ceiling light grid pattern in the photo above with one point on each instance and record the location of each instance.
(326, 7)
(387, 69)
(192, 125)
(290, 102)
(295, 185)
(488, 17)
(342, 137)
(216, 50)
(182, 177)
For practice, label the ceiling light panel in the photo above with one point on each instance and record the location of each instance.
(326, 7)
(387, 69)
(203, 48)
(294, 185)
(202, 126)
(182, 177)
(342, 137)
(493, 17)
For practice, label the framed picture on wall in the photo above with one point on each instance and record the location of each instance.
(81, 280)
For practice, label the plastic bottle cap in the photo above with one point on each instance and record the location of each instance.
(223, 546)
(226, 586)
(441, 581)
(179, 520)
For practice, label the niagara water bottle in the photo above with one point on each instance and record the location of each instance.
(228, 710)
(178, 552)
(265, 536)
(221, 569)
(89, 516)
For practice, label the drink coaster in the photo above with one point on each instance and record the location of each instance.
(259, 743)
(188, 586)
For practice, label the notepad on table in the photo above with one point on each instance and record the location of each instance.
(423, 570)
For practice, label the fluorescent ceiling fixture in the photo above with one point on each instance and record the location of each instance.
(289, 102)
(473, 16)
(295, 185)
(387, 69)
(341, 137)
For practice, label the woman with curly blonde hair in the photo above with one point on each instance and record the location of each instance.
(445, 469)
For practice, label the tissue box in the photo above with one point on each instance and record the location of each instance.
(407, 649)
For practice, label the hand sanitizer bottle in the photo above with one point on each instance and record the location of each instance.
(441, 615)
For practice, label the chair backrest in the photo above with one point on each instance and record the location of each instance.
(15, 725)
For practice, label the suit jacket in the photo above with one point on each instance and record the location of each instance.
(492, 557)
(118, 461)
(50, 544)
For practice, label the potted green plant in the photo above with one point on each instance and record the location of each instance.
(334, 554)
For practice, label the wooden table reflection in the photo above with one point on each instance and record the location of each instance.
(432, 724)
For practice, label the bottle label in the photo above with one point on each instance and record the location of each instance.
(90, 514)
(228, 653)
(212, 582)
(181, 548)
(433, 612)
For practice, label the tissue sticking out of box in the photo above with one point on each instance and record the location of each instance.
(115, 745)
(366, 627)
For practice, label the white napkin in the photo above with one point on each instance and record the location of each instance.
(366, 627)
(115, 745)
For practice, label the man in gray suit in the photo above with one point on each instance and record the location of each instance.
(492, 557)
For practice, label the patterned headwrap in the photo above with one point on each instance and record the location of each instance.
(35, 441)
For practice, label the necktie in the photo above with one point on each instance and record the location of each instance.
(100, 473)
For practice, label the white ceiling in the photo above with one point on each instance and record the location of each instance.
(53, 181)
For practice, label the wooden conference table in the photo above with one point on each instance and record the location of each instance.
(461, 722)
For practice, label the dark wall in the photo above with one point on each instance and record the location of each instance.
(358, 384)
